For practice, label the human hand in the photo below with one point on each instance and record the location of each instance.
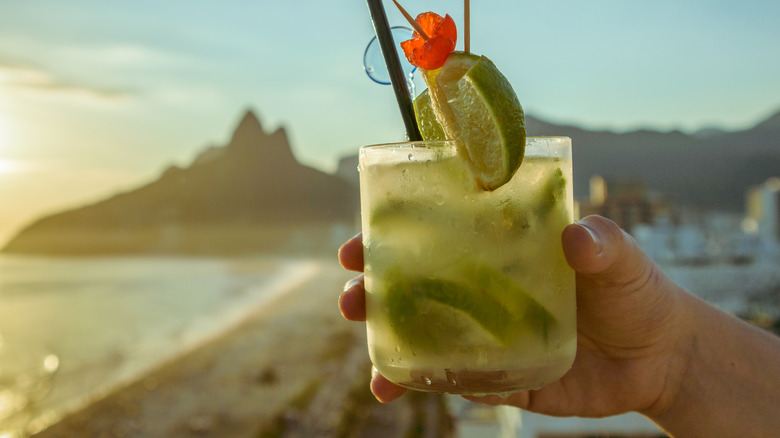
(352, 304)
(631, 333)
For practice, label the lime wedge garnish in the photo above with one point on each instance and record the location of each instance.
(475, 105)
(426, 119)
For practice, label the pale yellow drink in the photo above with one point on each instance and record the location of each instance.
(467, 291)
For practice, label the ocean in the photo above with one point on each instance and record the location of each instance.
(73, 328)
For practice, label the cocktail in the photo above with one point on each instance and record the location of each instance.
(468, 290)
(467, 287)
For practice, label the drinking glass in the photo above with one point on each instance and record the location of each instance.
(467, 290)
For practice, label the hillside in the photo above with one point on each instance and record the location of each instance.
(248, 196)
(710, 171)
(253, 196)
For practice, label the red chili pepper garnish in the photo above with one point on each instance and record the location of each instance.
(430, 54)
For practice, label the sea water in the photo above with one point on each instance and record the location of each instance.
(71, 328)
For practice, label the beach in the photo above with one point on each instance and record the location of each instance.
(293, 367)
(260, 351)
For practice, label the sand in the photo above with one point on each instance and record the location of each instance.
(293, 369)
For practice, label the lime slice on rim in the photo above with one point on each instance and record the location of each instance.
(430, 128)
(474, 104)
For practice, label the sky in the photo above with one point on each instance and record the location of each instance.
(100, 96)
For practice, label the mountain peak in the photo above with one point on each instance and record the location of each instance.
(250, 118)
(251, 143)
(248, 132)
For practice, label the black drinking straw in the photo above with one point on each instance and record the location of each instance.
(397, 78)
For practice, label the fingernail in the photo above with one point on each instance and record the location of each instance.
(594, 236)
(351, 283)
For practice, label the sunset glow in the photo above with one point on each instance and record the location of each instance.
(96, 93)
(8, 166)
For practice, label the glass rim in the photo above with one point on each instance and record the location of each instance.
(425, 143)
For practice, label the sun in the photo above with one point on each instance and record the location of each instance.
(8, 166)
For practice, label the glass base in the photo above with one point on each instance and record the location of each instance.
(477, 382)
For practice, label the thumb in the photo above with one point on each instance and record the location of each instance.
(599, 250)
(623, 297)
(624, 300)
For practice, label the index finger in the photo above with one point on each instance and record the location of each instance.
(351, 253)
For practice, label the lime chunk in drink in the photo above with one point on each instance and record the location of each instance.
(438, 314)
(553, 192)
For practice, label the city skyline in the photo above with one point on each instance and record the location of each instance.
(101, 97)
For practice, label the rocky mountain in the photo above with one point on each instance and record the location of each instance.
(250, 195)
(710, 170)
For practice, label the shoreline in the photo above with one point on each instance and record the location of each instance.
(294, 368)
(297, 277)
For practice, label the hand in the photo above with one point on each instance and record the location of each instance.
(644, 344)
(629, 329)
(352, 304)
(632, 336)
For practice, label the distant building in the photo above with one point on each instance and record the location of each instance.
(763, 214)
(676, 235)
(628, 203)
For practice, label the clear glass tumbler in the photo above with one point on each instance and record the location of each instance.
(467, 291)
